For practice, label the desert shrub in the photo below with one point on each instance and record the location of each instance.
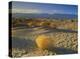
(72, 20)
(45, 23)
(44, 42)
(53, 25)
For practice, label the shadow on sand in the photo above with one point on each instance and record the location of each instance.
(61, 50)
(22, 43)
(59, 30)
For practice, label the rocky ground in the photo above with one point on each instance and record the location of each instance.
(23, 42)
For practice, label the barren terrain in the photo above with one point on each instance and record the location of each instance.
(63, 33)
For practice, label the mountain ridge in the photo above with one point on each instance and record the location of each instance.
(44, 15)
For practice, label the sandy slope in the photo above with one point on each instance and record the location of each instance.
(23, 41)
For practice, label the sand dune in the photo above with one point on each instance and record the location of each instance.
(24, 40)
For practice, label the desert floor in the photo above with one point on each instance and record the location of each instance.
(23, 41)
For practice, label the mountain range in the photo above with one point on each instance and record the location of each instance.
(44, 15)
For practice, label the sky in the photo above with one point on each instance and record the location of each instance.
(29, 7)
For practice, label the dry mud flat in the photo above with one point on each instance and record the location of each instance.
(23, 42)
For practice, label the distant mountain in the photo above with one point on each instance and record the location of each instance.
(51, 16)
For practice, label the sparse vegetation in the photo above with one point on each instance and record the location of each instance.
(66, 24)
(44, 42)
(49, 37)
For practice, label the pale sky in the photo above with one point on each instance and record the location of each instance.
(28, 7)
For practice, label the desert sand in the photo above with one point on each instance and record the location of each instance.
(24, 42)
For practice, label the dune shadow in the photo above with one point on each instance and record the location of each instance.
(22, 43)
(65, 30)
(59, 30)
(60, 50)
